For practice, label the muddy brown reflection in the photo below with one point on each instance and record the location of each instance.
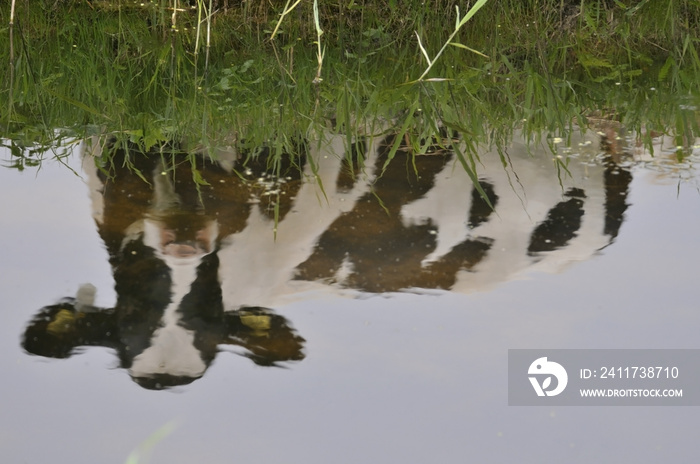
(198, 265)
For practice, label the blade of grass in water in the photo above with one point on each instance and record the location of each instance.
(141, 454)
(459, 24)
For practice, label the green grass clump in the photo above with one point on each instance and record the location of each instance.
(260, 73)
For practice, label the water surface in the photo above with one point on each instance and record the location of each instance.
(401, 361)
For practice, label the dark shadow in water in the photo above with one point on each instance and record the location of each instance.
(166, 239)
(561, 225)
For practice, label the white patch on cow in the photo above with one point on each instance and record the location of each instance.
(345, 270)
(92, 149)
(257, 268)
(171, 349)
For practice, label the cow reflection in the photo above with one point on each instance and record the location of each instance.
(195, 264)
(162, 237)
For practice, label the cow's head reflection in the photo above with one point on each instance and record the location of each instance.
(163, 237)
(160, 352)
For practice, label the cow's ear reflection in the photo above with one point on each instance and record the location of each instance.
(57, 330)
(267, 337)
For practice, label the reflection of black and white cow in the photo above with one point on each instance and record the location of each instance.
(195, 265)
(418, 223)
(162, 237)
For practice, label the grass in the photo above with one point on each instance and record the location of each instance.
(253, 74)
(142, 453)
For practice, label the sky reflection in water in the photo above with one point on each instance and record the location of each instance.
(413, 377)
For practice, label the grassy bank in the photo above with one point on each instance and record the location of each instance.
(258, 73)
